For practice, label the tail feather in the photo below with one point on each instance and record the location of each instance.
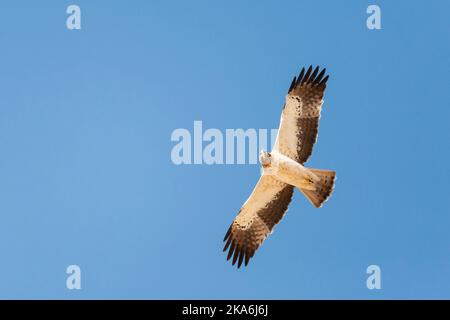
(322, 187)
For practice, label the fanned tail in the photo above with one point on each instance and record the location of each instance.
(322, 188)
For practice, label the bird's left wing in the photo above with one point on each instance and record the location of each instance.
(258, 216)
(301, 114)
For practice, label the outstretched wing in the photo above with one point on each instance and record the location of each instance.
(258, 216)
(301, 113)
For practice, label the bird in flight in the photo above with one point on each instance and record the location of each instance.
(283, 170)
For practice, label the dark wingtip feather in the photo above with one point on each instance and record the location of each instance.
(227, 244)
(300, 75)
(241, 258)
(292, 84)
(314, 74)
(308, 73)
(319, 77)
(236, 255)
(233, 245)
(324, 81)
(227, 234)
(247, 258)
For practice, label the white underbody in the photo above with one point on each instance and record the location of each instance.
(289, 171)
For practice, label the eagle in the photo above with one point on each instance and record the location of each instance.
(282, 169)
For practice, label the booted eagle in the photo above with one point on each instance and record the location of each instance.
(283, 170)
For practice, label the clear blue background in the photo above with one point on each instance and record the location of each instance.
(86, 176)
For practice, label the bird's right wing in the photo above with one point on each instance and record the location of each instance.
(258, 216)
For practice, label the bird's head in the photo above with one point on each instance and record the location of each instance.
(265, 158)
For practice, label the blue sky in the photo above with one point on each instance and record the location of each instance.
(86, 176)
